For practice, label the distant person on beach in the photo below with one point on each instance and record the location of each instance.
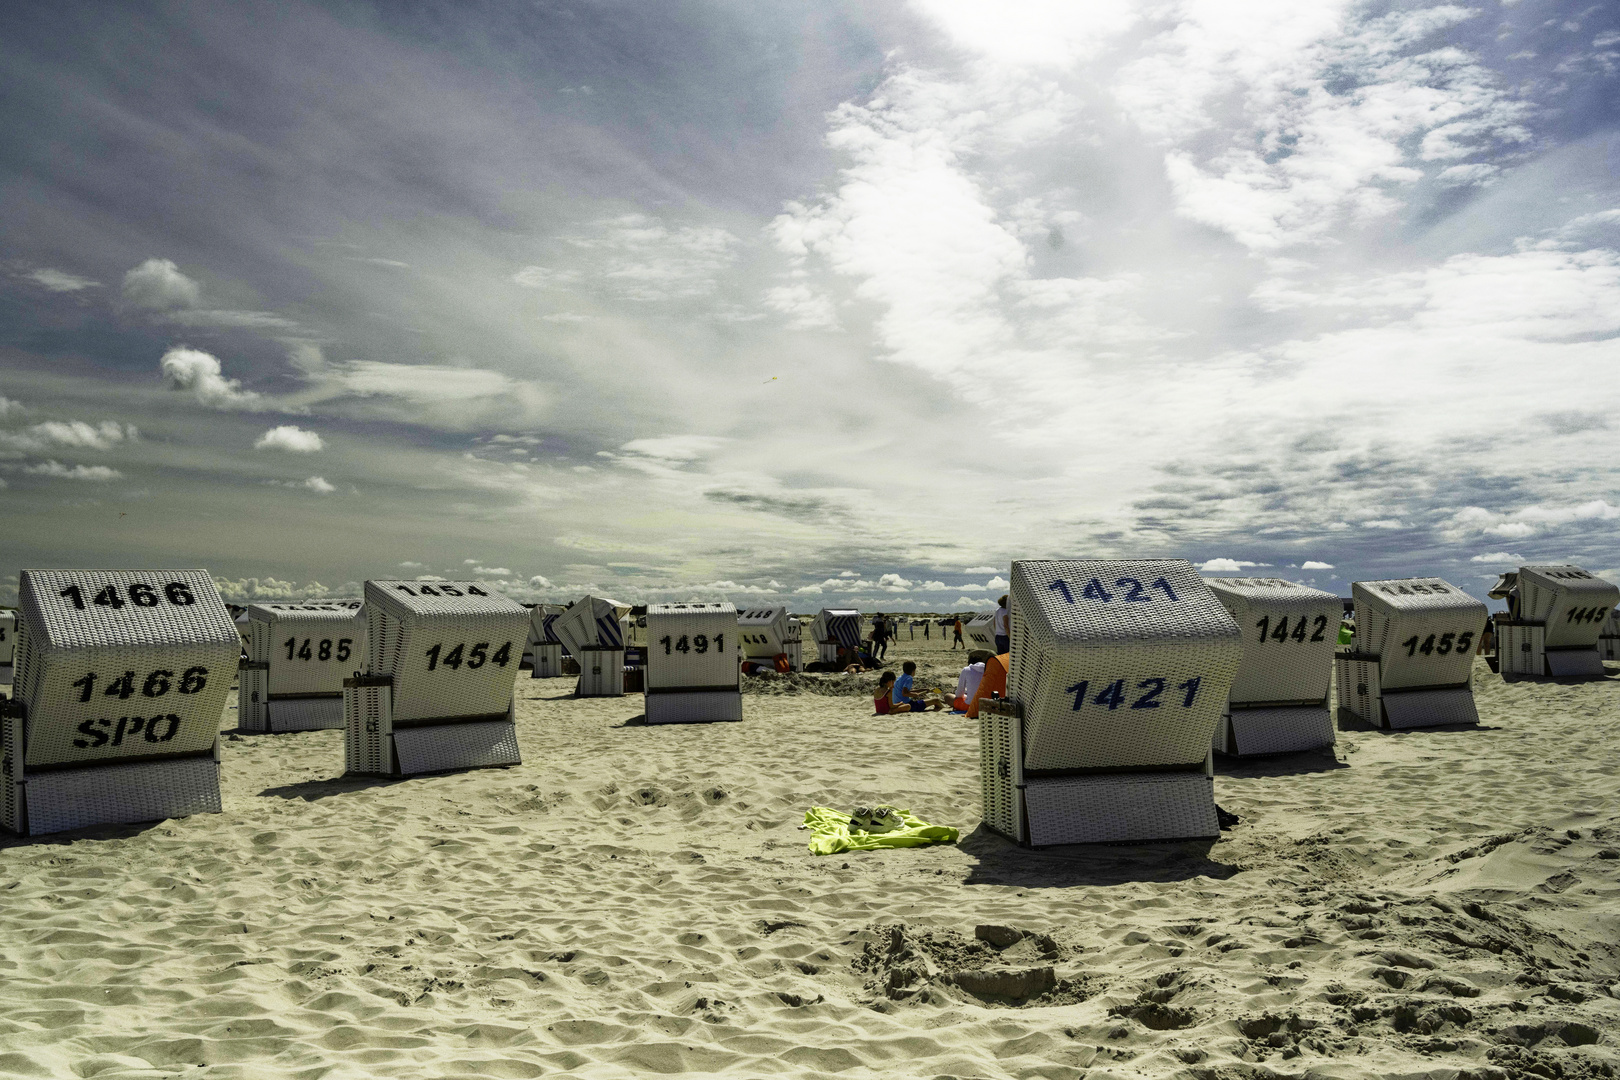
(1003, 642)
(926, 624)
(967, 685)
(882, 702)
(880, 637)
(958, 630)
(902, 690)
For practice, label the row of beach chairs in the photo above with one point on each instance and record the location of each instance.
(1124, 677)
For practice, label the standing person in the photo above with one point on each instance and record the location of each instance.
(1003, 642)
(958, 641)
(926, 624)
(880, 637)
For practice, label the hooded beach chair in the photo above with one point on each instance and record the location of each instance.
(979, 632)
(1609, 638)
(297, 658)
(693, 674)
(769, 632)
(437, 692)
(593, 630)
(1279, 698)
(834, 628)
(1555, 622)
(547, 646)
(1119, 674)
(1413, 654)
(8, 644)
(121, 680)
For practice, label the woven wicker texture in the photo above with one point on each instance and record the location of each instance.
(368, 724)
(1414, 626)
(8, 636)
(156, 685)
(306, 714)
(1282, 729)
(12, 796)
(310, 647)
(1573, 603)
(456, 746)
(1289, 635)
(591, 621)
(1131, 673)
(1520, 649)
(442, 650)
(1574, 664)
(765, 632)
(841, 625)
(999, 752)
(547, 660)
(693, 706)
(692, 645)
(1609, 639)
(1357, 682)
(979, 632)
(601, 673)
(1430, 708)
(122, 794)
(1120, 807)
(542, 619)
(253, 699)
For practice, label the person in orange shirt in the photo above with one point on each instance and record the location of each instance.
(994, 682)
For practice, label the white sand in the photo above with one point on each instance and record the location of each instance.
(636, 901)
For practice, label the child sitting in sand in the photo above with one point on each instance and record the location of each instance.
(883, 703)
(902, 691)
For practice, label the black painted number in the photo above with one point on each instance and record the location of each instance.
(140, 594)
(1113, 694)
(475, 657)
(322, 650)
(1301, 626)
(156, 684)
(1134, 591)
(1441, 644)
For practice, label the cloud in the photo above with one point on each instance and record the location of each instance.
(492, 571)
(539, 581)
(7, 406)
(1499, 557)
(199, 373)
(1312, 564)
(60, 281)
(997, 582)
(291, 438)
(893, 583)
(267, 589)
(421, 382)
(158, 285)
(967, 601)
(1529, 520)
(1225, 566)
(982, 570)
(318, 485)
(98, 474)
(70, 433)
(413, 565)
(808, 590)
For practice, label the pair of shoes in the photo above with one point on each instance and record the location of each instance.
(875, 819)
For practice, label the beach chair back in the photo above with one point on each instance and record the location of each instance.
(298, 655)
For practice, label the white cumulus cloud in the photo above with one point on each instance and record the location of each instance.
(291, 438)
(1312, 564)
(98, 474)
(158, 285)
(1225, 566)
(200, 374)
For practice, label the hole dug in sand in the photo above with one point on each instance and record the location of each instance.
(1000, 966)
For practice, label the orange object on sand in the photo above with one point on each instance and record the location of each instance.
(783, 664)
(994, 682)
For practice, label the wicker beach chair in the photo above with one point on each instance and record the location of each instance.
(835, 627)
(297, 658)
(437, 693)
(1555, 623)
(8, 644)
(548, 649)
(121, 680)
(593, 629)
(769, 632)
(693, 674)
(1279, 698)
(1609, 639)
(979, 632)
(1413, 654)
(1119, 675)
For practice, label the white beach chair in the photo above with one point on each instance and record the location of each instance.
(693, 674)
(121, 681)
(1118, 676)
(1609, 639)
(1555, 624)
(835, 627)
(8, 644)
(297, 658)
(766, 633)
(1279, 698)
(1413, 654)
(979, 632)
(547, 646)
(593, 629)
(442, 657)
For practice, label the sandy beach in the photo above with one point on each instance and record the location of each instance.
(637, 901)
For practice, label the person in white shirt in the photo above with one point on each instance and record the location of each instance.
(967, 684)
(1003, 642)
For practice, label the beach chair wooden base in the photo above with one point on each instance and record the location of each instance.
(1278, 729)
(1574, 664)
(601, 673)
(1608, 649)
(1521, 648)
(5, 674)
(548, 661)
(322, 713)
(678, 705)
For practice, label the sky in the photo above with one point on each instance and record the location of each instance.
(814, 302)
